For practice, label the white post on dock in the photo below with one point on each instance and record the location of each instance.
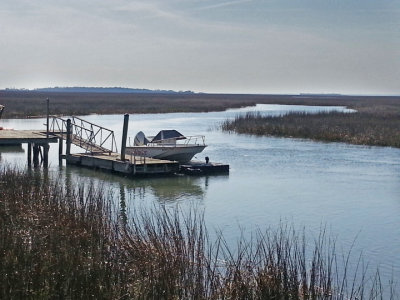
(124, 136)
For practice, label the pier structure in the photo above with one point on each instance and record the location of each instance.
(101, 150)
(38, 144)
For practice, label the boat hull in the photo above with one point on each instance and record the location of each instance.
(181, 154)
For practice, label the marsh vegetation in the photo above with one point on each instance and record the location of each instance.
(375, 123)
(62, 242)
(361, 128)
(22, 104)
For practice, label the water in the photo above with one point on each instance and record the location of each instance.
(354, 191)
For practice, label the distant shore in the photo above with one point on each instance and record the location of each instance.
(377, 121)
(28, 104)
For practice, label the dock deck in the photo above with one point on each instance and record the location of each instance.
(16, 137)
(200, 168)
(36, 140)
(132, 165)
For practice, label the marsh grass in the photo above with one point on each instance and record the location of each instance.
(32, 104)
(375, 123)
(361, 128)
(62, 243)
(22, 104)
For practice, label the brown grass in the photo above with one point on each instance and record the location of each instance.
(57, 243)
(361, 128)
(21, 104)
(376, 123)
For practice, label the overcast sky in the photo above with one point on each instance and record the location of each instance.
(239, 46)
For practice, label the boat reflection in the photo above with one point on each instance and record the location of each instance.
(162, 189)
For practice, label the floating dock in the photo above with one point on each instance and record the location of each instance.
(131, 166)
(200, 168)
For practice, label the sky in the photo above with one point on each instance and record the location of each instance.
(218, 46)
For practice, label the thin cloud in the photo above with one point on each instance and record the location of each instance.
(224, 4)
(149, 9)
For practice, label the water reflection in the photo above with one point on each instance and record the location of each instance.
(122, 205)
(12, 149)
(165, 190)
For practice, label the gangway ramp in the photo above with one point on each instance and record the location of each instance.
(84, 134)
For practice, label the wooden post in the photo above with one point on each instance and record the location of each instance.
(69, 132)
(48, 113)
(124, 136)
(29, 154)
(46, 148)
(35, 155)
(60, 149)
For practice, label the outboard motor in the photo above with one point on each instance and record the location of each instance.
(140, 139)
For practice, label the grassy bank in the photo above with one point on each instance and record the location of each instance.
(21, 104)
(31, 104)
(361, 128)
(61, 243)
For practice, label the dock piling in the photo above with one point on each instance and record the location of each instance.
(46, 148)
(124, 136)
(69, 133)
(36, 155)
(60, 150)
(29, 154)
(48, 114)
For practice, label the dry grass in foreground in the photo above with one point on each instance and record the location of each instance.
(61, 243)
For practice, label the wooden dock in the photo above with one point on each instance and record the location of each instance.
(18, 137)
(38, 142)
(93, 138)
(131, 166)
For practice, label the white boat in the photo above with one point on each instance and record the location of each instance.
(168, 145)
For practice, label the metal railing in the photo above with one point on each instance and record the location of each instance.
(86, 135)
(194, 140)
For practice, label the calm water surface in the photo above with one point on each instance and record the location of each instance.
(352, 190)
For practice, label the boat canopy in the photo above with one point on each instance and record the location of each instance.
(168, 134)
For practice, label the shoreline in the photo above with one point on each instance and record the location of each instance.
(376, 122)
(32, 104)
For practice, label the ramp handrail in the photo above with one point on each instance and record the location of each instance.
(87, 135)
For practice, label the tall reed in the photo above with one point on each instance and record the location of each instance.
(61, 243)
(360, 128)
